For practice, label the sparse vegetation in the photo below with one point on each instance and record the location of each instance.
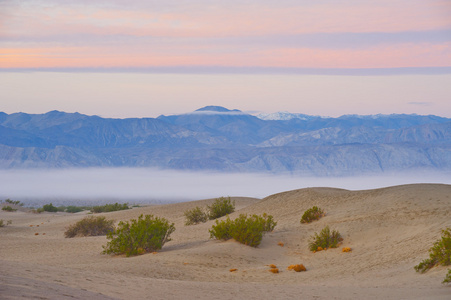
(439, 254)
(312, 214)
(144, 235)
(325, 239)
(109, 207)
(14, 202)
(90, 226)
(447, 277)
(246, 230)
(49, 208)
(2, 224)
(195, 216)
(8, 208)
(74, 209)
(221, 207)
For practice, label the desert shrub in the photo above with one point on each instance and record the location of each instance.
(439, 253)
(325, 239)
(195, 216)
(73, 209)
(346, 249)
(144, 235)
(8, 208)
(109, 207)
(14, 202)
(1, 223)
(246, 230)
(90, 226)
(221, 207)
(312, 214)
(222, 230)
(50, 208)
(447, 277)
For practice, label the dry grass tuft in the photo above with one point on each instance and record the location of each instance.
(346, 249)
(275, 271)
(233, 270)
(280, 244)
(272, 266)
(36, 233)
(297, 268)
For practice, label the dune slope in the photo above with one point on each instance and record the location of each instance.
(389, 230)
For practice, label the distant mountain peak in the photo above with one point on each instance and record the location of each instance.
(285, 116)
(220, 109)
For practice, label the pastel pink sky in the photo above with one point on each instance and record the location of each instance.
(186, 36)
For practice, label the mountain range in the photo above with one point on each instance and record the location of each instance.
(216, 138)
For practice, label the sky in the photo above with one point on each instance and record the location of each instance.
(122, 58)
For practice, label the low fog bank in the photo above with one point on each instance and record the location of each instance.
(140, 185)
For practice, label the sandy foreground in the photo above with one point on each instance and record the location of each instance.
(389, 230)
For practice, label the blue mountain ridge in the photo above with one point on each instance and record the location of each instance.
(216, 138)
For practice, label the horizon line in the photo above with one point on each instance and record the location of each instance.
(243, 70)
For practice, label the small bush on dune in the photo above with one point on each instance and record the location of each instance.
(195, 216)
(312, 214)
(8, 208)
(221, 207)
(109, 207)
(222, 230)
(439, 254)
(50, 208)
(144, 235)
(325, 239)
(246, 230)
(447, 277)
(90, 226)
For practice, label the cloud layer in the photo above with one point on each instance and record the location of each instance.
(150, 185)
(304, 34)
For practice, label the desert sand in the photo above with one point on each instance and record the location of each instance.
(389, 230)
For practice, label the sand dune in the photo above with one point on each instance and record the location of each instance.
(390, 230)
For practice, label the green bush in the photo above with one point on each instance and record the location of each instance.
(312, 214)
(50, 208)
(325, 239)
(90, 226)
(221, 207)
(146, 234)
(73, 209)
(195, 216)
(439, 253)
(244, 229)
(447, 277)
(8, 208)
(222, 230)
(109, 207)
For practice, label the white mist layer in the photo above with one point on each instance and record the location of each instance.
(127, 184)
